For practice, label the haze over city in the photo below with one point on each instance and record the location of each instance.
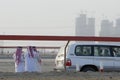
(52, 17)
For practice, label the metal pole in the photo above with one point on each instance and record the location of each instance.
(65, 54)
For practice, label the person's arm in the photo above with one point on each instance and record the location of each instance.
(14, 57)
(39, 59)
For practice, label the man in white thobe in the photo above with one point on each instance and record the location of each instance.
(32, 60)
(19, 60)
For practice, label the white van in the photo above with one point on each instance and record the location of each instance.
(88, 57)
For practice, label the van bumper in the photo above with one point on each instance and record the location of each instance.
(71, 68)
(68, 68)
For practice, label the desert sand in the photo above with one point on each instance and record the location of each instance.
(7, 73)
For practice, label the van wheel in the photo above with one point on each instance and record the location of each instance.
(88, 69)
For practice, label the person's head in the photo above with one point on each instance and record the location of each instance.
(19, 50)
(18, 54)
(34, 49)
(30, 51)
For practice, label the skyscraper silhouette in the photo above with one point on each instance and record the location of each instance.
(107, 29)
(85, 26)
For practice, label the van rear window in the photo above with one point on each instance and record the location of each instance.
(83, 50)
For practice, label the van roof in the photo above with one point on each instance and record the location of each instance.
(95, 43)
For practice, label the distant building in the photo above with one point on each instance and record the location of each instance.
(107, 28)
(91, 26)
(85, 26)
(81, 25)
(117, 28)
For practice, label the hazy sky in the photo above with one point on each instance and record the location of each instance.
(51, 17)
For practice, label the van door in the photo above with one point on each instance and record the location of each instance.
(80, 55)
(103, 54)
(116, 52)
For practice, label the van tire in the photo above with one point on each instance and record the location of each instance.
(88, 69)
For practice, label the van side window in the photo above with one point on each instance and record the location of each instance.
(102, 51)
(83, 51)
(116, 51)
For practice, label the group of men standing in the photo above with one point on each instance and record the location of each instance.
(27, 62)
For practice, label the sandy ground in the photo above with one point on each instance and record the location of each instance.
(7, 73)
(7, 65)
(59, 76)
